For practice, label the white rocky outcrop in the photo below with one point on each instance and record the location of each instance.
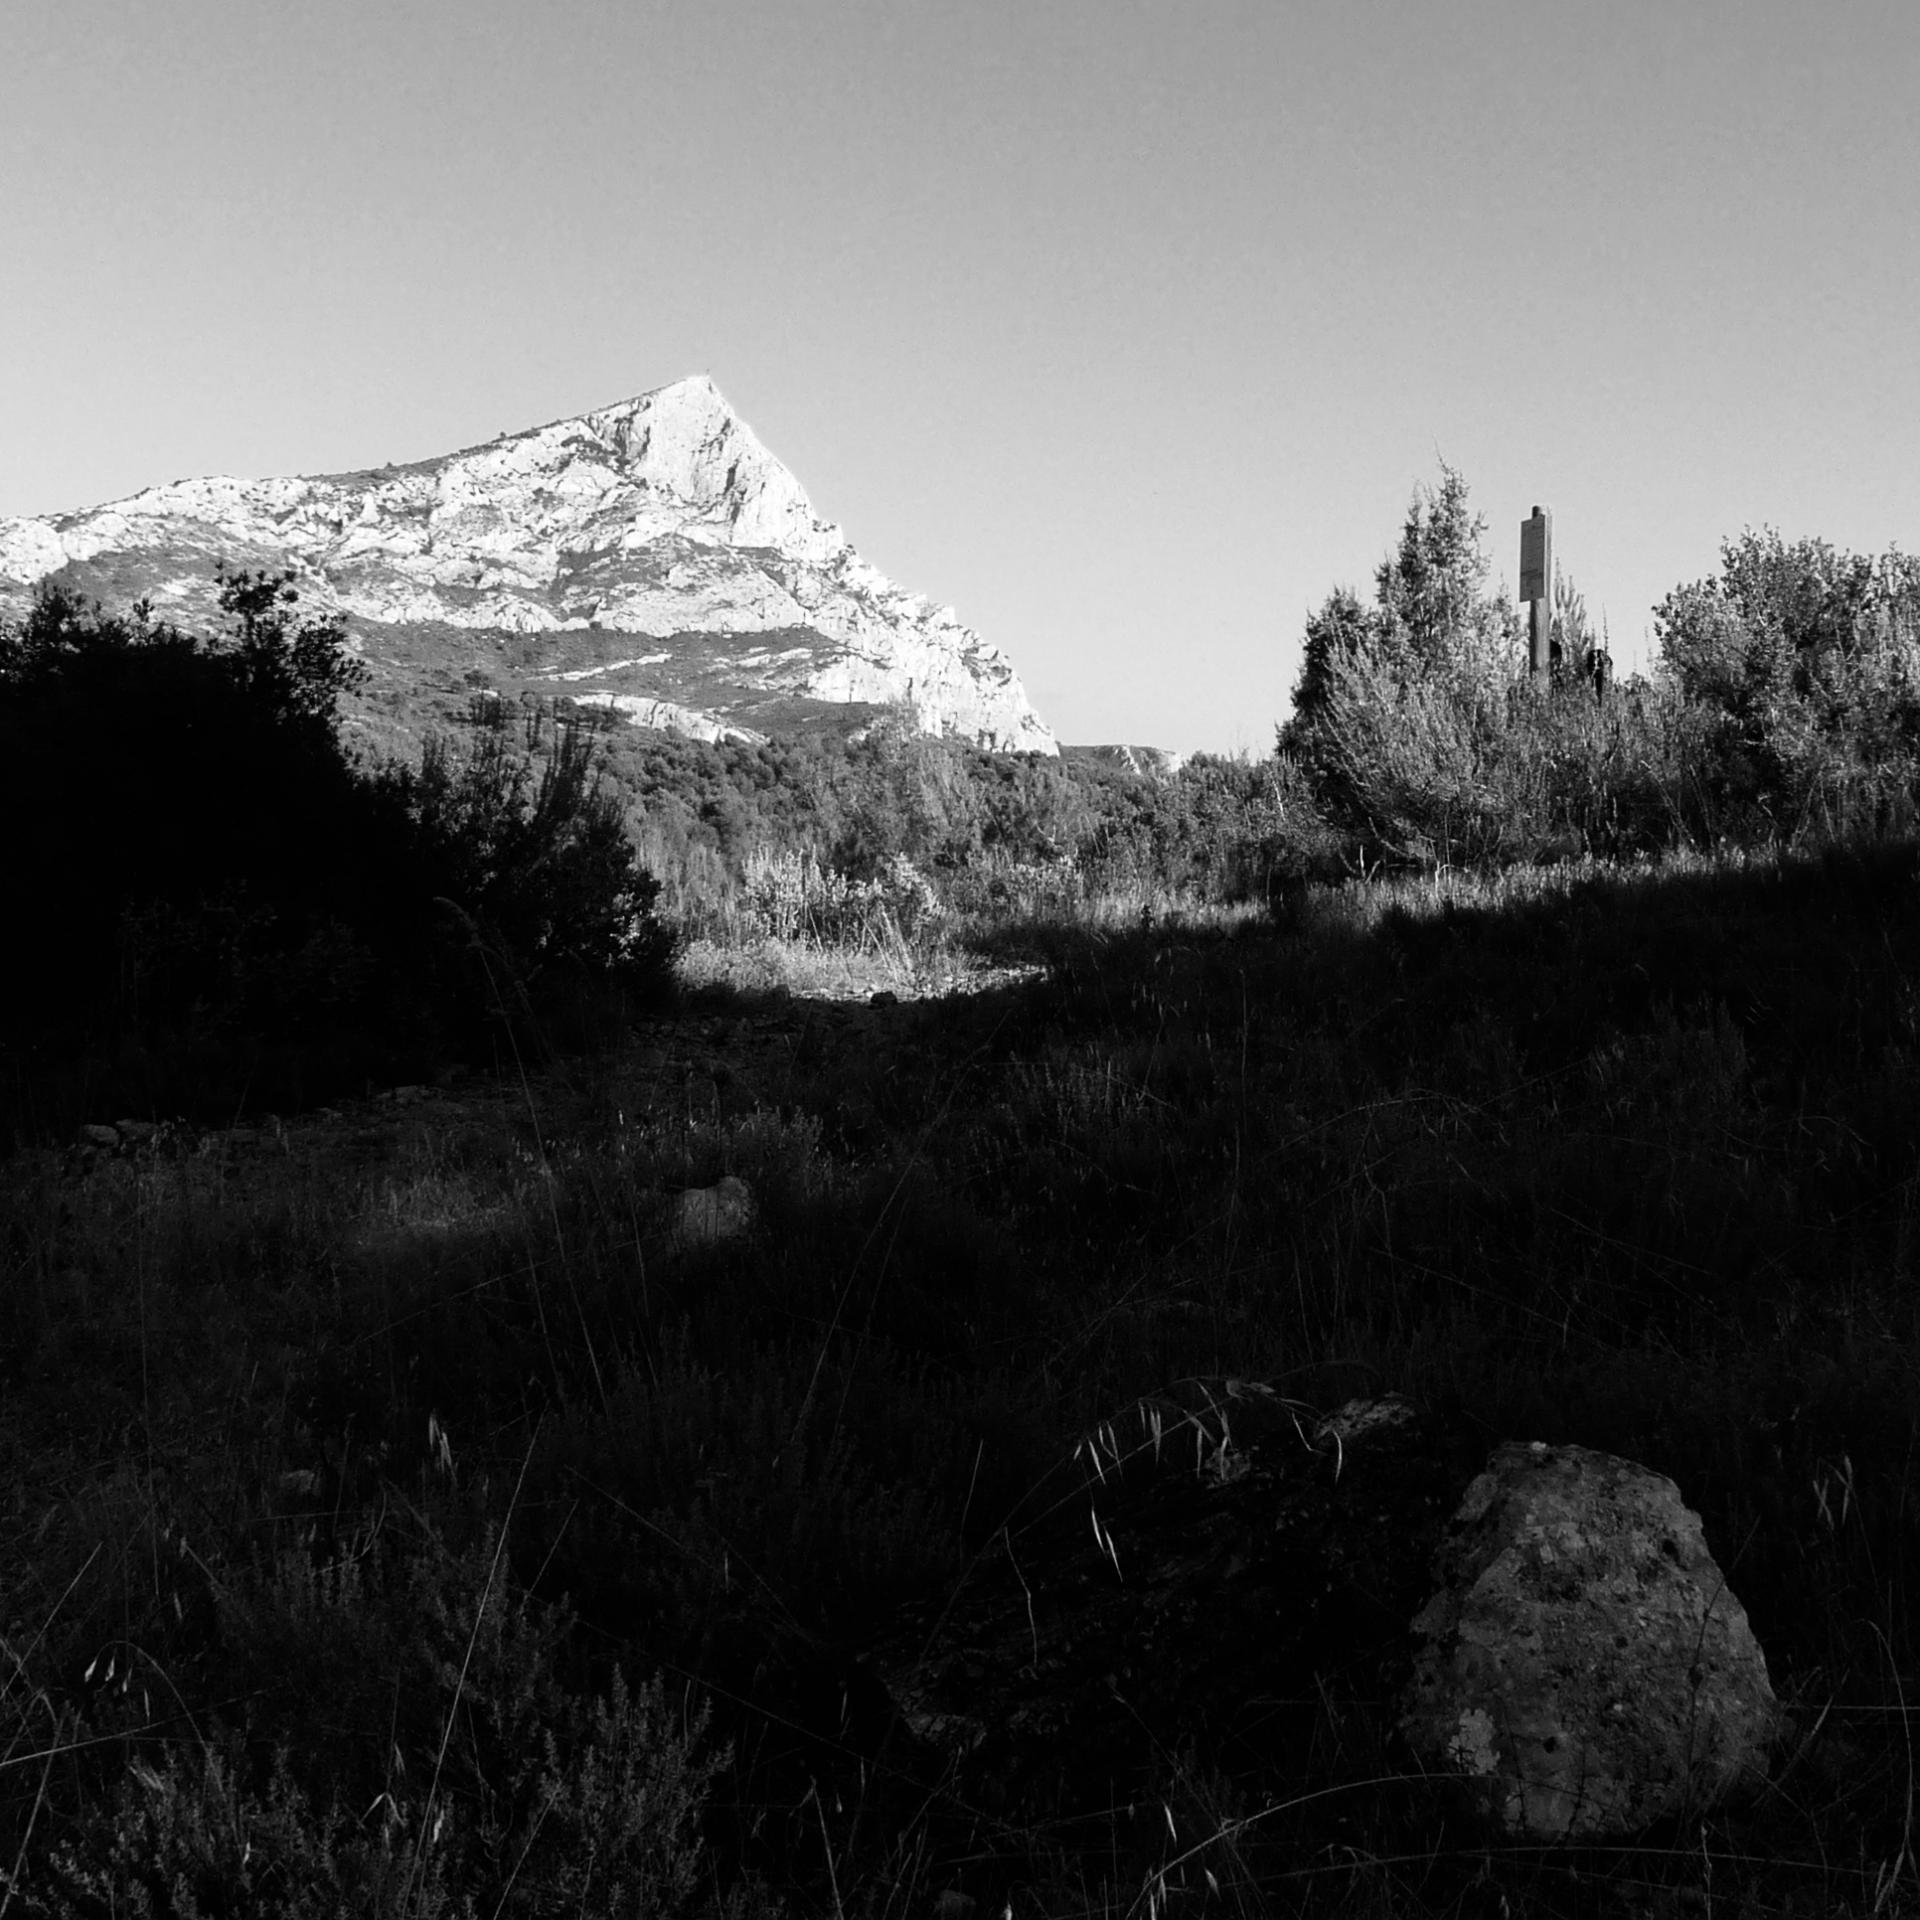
(661, 516)
(668, 716)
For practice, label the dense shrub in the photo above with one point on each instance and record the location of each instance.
(147, 767)
(195, 853)
(733, 825)
(223, 904)
(1404, 717)
(851, 804)
(1805, 662)
(1787, 704)
(1445, 769)
(457, 1766)
(531, 853)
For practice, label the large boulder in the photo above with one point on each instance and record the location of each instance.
(1584, 1668)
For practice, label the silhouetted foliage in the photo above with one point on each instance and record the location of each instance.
(165, 777)
(537, 863)
(215, 896)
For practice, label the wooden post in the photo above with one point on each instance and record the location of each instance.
(1536, 588)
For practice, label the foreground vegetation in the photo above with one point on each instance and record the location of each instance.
(224, 908)
(406, 1523)
(398, 1515)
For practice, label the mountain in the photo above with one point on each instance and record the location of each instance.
(1151, 763)
(652, 557)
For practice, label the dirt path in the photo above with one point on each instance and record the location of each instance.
(722, 1053)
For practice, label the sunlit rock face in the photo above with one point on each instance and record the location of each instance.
(662, 517)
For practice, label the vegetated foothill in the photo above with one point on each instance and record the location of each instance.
(415, 1435)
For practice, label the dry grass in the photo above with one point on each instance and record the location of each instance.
(766, 964)
(1618, 1157)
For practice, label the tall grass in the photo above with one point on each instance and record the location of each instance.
(408, 1522)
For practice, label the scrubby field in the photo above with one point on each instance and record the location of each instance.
(397, 1518)
(410, 1506)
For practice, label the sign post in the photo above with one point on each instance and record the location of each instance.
(1536, 588)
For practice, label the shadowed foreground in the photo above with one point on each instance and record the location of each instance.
(398, 1517)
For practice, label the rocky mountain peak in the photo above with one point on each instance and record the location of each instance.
(537, 558)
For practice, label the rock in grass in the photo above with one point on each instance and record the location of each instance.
(705, 1216)
(1585, 1670)
(1233, 1566)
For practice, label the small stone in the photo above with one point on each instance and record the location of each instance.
(1586, 1670)
(1361, 1419)
(97, 1135)
(136, 1133)
(706, 1216)
(886, 997)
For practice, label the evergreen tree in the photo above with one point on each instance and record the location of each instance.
(1432, 591)
(1336, 632)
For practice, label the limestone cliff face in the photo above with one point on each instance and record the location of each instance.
(661, 517)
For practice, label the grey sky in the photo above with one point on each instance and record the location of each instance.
(1127, 328)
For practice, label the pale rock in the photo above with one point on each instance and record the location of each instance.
(706, 1216)
(1152, 763)
(1585, 1670)
(667, 716)
(663, 515)
(612, 666)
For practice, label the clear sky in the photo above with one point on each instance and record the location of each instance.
(1126, 326)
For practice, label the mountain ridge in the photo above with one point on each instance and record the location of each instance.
(660, 518)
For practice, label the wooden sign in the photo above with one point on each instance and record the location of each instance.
(1536, 588)
(1536, 555)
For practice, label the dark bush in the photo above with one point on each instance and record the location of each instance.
(217, 902)
(529, 857)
